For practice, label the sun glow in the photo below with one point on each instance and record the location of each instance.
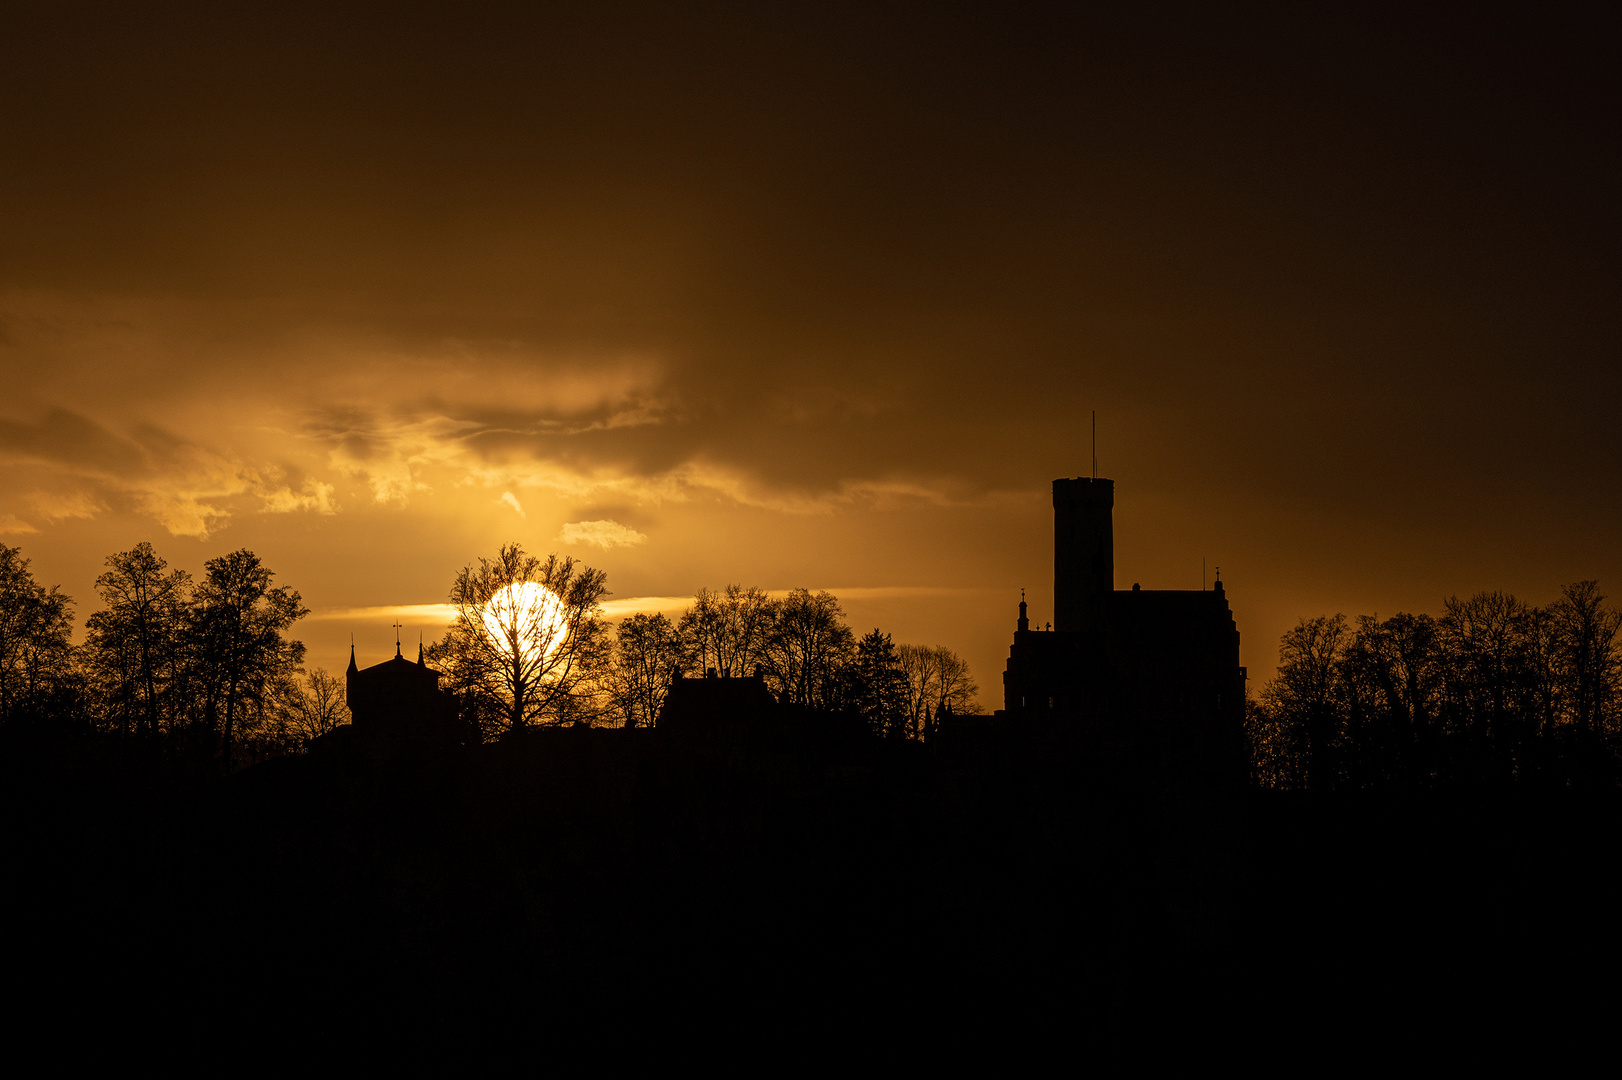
(526, 620)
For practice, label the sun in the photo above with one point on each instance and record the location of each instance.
(526, 620)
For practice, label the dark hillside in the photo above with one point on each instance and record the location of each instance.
(611, 868)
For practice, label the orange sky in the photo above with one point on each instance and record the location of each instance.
(815, 297)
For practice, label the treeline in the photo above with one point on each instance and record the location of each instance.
(207, 668)
(528, 648)
(1493, 692)
(801, 647)
(200, 666)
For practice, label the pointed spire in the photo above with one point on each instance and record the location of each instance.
(420, 661)
(1024, 623)
(352, 652)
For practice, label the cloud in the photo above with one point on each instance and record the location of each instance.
(620, 607)
(182, 514)
(65, 439)
(402, 417)
(645, 605)
(186, 486)
(899, 592)
(313, 496)
(160, 474)
(428, 613)
(604, 534)
(446, 613)
(293, 461)
(387, 453)
(57, 506)
(11, 523)
(471, 377)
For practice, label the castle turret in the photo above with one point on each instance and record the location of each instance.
(1083, 552)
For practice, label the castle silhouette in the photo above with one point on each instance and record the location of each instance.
(1152, 675)
(400, 699)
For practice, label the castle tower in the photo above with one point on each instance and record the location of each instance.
(1083, 552)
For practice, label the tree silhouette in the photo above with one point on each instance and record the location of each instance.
(1586, 635)
(648, 653)
(1394, 678)
(236, 640)
(528, 645)
(36, 627)
(314, 705)
(1486, 637)
(938, 680)
(1307, 696)
(1493, 692)
(730, 630)
(874, 686)
(133, 645)
(809, 645)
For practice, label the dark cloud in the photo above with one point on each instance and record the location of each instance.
(66, 439)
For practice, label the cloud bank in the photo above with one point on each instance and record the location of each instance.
(604, 534)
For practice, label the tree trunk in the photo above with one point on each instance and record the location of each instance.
(151, 686)
(230, 720)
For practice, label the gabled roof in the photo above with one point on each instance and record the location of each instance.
(397, 670)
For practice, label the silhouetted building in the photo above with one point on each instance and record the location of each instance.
(716, 705)
(400, 699)
(1154, 674)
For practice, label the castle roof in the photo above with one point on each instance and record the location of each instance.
(397, 671)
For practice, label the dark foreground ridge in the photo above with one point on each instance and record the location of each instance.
(762, 854)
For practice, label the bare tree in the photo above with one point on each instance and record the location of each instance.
(1494, 691)
(809, 645)
(1307, 696)
(313, 705)
(1277, 753)
(528, 642)
(1393, 674)
(701, 629)
(648, 653)
(730, 630)
(1587, 635)
(1486, 638)
(938, 681)
(747, 618)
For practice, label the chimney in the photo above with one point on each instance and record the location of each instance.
(1083, 552)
